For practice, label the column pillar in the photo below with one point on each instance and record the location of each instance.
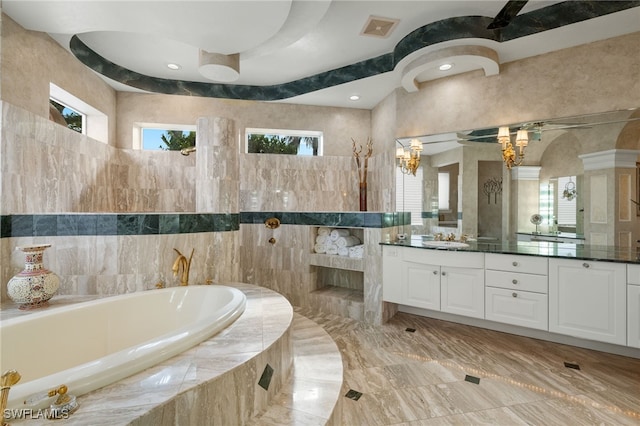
(609, 186)
(217, 166)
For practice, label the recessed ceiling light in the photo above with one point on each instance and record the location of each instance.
(354, 97)
(173, 66)
(445, 67)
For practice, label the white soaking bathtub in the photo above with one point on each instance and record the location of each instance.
(88, 345)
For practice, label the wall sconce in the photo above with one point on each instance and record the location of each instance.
(508, 152)
(409, 159)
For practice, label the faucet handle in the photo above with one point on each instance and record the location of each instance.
(37, 397)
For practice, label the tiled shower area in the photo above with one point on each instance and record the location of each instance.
(113, 216)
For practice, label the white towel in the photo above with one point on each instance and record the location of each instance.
(347, 241)
(332, 249)
(323, 230)
(337, 233)
(343, 251)
(322, 239)
(320, 248)
(357, 251)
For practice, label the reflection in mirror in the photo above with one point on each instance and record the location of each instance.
(561, 206)
(563, 155)
(448, 196)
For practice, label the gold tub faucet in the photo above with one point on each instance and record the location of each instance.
(181, 260)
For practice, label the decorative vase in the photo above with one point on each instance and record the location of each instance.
(363, 196)
(35, 285)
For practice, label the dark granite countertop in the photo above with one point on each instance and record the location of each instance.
(539, 248)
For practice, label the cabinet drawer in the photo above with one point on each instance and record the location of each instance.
(515, 263)
(516, 281)
(521, 308)
(443, 257)
(633, 274)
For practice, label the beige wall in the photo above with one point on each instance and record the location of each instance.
(596, 77)
(31, 60)
(338, 125)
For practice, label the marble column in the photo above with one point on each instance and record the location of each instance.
(218, 191)
(217, 166)
(610, 217)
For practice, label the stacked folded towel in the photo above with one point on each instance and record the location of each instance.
(335, 241)
(356, 252)
(337, 233)
(322, 239)
(348, 241)
(323, 230)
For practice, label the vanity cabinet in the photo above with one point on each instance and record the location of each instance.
(516, 289)
(421, 285)
(633, 306)
(462, 291)
(587, 299)
(446, 281)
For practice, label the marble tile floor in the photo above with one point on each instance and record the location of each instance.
(312, 395)
(418, 378)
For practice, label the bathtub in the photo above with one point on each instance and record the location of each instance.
(89, 345)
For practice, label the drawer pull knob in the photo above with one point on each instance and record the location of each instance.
(586, 265)
(515, 281)
(435, 272)
(444, 273)
(515, 263)
(514, 294)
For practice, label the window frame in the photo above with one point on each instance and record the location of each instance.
(95, 123)
(284, 132)
(139, 127)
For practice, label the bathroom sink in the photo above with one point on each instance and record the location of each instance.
(445, 244)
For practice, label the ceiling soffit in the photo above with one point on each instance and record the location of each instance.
(419, 40)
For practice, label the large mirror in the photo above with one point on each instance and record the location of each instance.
(576, 181)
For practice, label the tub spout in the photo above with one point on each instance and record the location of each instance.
(188, 150)
(182, 261)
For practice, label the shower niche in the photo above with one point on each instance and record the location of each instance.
(339, 279)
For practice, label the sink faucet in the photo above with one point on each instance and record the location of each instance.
(181, 260)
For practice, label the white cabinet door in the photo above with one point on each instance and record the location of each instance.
(588, 300)
(633, 316)
(421, 285)
(462, 291)
(523, 308)
(392, 274)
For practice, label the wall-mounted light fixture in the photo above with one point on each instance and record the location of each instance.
(409, 159)
(509, 155)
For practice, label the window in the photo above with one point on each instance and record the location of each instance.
(277, 141)
(163, 137)
(410, 200)
(443, 191)
(67, 116)
(566, 201)
(77, 114)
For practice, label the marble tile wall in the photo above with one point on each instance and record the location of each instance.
(286, 267)
(217, 166)
(291, 183)
(118, 264)
(47, 168)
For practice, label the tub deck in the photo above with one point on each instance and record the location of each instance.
(192, 388)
